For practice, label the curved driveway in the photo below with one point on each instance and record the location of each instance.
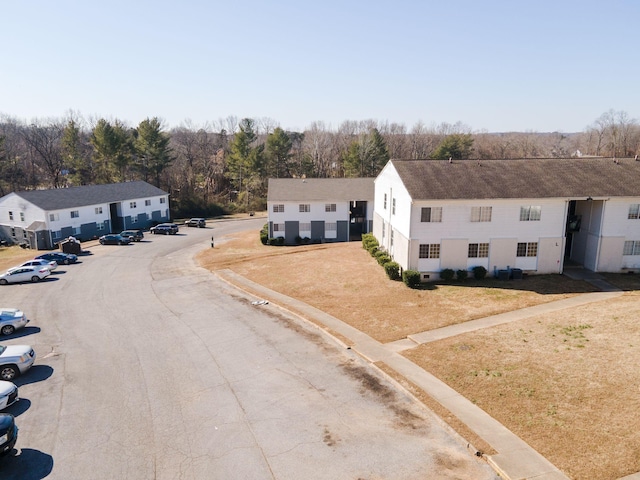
(150, 367)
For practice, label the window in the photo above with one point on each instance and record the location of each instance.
(22, 216)
(132, 204)
(305, 207)
(631, 247)
(10, 215)
(278, 208)
(634, 211)
(98, 210)
(480, 214)
(99, 226)
(147, 203)
(431, 214)
(13, 232)
(134, 219)
(384, 225)
(393, 206)
(429, 250)
(278, 227)
(163, 200)
(391, 239)
(530, 214)
(527, 249)
(478, 250)
(305, 227)
(54, 217)
(330, 207)
(75, 213)
(385, 202)
(330, 227)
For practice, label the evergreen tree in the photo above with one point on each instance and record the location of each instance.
(456, 146)
(278, 153)
(240, 159)
(112, 151)
(79, 167)
(151, 145)
(366, 156)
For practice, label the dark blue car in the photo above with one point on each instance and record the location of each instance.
(60, 258)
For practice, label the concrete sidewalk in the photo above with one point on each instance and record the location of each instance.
(515, 459)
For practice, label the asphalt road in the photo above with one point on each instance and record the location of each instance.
(150, 367)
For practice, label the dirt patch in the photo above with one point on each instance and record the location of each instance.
(566, 383)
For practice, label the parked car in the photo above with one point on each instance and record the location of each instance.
(197, 222)
(60, 257)
(15, 360)
(41, 262)
(8, 394)
(8, 433)
(24, 274)
(133, 235)
(114, 239)
(11, 319)
(165, 229)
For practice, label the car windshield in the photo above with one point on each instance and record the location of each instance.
(2, 349)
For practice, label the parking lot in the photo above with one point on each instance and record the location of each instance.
(150, 367)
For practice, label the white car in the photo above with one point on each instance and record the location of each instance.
(24, 274)
(8, 394)
(39, 262)
(11, 319)
(15, 360)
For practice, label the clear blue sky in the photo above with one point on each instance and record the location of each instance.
(504, 65)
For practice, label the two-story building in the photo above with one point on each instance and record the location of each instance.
(529, 214)
(320, 209)
(43, 218)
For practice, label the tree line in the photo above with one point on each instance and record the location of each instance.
(225, 165)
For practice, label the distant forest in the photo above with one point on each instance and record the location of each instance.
(225, 166)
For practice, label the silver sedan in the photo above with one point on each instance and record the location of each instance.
(11, 319)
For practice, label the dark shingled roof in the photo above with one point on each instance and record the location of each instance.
(524, 178)
(63, 198)
(320, 189)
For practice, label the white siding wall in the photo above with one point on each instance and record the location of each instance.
(316, 213)
(617, 228)
(14, 203)
(388, 183)
(505, 225)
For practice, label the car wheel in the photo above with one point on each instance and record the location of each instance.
(8, 372)
(8, 329)
(3, 281)
(66, 261)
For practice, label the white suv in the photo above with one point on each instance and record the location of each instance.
(15, 360)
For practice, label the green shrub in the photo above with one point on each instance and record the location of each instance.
(447, 274)
(411, 278)
(462, 274)
(368, 241)
(277, 241)
(373, 249)
(479, 272)
(392, 269)
(264, 234)
(382, 257)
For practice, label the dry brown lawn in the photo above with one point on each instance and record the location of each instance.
(567, 383)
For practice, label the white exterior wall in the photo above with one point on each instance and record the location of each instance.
(503, 233)
(388, 183)
(316, 213)
(617, 228)
(16, 204)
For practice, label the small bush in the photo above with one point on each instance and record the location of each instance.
(264, 234)
(277, 241)
(479, 272)
(382, 257)
(411, 278)
(462, 274)
(392, 269)
(368, 241)
(373, 249)
(447, 274)
(298, 239)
